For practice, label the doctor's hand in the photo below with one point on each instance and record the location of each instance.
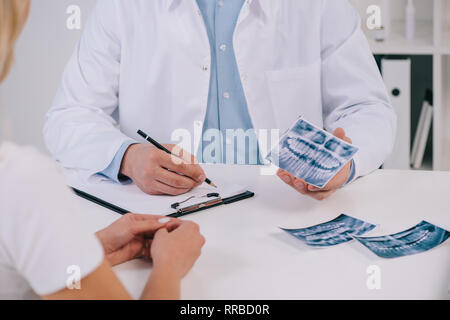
(320, 194)
(157, 172)
(131, 236)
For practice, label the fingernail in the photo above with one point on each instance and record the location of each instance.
(286, 179)
(164, 220)
(300, 185)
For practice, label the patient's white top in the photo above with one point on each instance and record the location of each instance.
(44, 241)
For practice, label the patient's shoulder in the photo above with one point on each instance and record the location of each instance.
(24, 168)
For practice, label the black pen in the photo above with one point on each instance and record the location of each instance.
(161, 147)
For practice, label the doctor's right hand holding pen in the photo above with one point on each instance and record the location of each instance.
(156, 172)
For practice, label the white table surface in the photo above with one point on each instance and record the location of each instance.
(246, 255)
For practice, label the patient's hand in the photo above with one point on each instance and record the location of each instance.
(320, 194)
(131, 236)
(176, 248)
(149, 167)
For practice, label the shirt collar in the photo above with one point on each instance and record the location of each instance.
(265, 5)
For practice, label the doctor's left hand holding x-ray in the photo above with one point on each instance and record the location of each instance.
(216, 67)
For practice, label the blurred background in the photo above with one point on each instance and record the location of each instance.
(42, 52)
(411, 46)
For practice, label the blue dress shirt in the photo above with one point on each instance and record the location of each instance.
(227, 110)
(227, 106)
(113, 170)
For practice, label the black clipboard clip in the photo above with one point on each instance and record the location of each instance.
(200, 206)
(209, 195)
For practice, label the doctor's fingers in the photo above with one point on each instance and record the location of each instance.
(181, 153)
(162, 188)
(302, 187)
(294, 182)
(174, 179)
(340, 133)
(193, 171)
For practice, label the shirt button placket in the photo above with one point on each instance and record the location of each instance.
(222, 86)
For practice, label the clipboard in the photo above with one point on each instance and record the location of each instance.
(178, 213)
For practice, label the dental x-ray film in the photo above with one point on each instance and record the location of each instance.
(337, 231)
(311, 154)
(422, 237)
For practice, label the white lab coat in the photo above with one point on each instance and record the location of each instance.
(145, 65)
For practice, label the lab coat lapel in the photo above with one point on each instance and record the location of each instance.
(190, 27)
(259, 9)
(192, 59)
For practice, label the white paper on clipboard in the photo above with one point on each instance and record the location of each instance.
(131, 198)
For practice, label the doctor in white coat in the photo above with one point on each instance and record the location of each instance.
(212, 70)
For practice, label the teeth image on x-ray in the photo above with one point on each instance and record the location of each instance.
(420, 238)
(334, 232)
(311, 154)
